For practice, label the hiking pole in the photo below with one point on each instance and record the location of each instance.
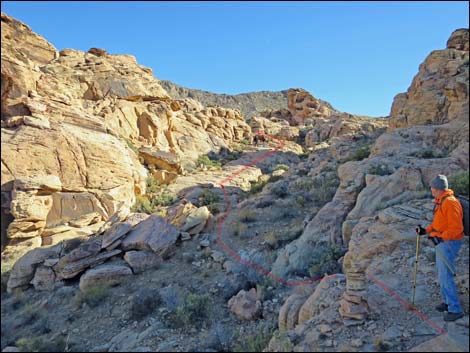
(446, 262)
(416, 267)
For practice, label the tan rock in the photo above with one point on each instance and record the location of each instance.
(196, 220)
(115, 233)
(44, 279)
(140, 261)
(245, 305)
(439, 92)
(106, 274)
(153, 234)
(23, 270)
(289, 313)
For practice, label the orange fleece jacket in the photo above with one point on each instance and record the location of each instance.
(448, 218)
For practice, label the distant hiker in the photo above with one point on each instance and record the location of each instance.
(256, 140)
(445, 233)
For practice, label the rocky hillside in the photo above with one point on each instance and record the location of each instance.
(373, 212)
(139, 221)
(89, 128)
(250, 104)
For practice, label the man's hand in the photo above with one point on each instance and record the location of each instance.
(420, 230)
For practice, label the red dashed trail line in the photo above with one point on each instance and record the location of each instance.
(269, 274)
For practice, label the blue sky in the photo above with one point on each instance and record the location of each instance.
(355, 55)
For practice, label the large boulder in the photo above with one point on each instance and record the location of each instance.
(106, 274)
(245, 305)
(154, 234)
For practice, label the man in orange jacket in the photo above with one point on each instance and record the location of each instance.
(446, 232)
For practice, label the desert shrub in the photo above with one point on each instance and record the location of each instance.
(245, 142)
(142, 205)
(300, 200)
(92, 296)
(144, 302)
(359, 154)
(194, 311)
(253, 343)
(149, 205)
(276, 238)
(325, 260)
(153, 185)
(209, 163)
(247, 216)
(280, 190)
(380, 169)
(325, 188)
(31, 313)
(380, 345)
(428, 153)
(302, 184)
(257, 187)
(41, 344)
(460, 183)
(209, 197)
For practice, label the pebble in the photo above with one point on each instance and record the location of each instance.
(356, 343)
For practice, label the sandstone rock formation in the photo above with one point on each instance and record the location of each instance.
(80, 117)
(439, 92)
(381, 203)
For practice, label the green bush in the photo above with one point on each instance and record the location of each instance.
(325, 260)
(380, 169)
(302, 184)
(209, 197)
(153, 185)
(277, 238)
(92, 295)
(41, 344)
(257, 187)
(325, 188)
(359, 154)
(253, 343)
(144, 204)
(460, 183)
(245, 142)
(428, 153)
(32, 313)
(247, 215)
(209, 163)
(194, 311)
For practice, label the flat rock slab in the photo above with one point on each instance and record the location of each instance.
(106, 274)
(154, 234)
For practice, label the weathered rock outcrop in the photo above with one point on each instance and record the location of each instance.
(439, 92)
(428, 136)
(80, 117)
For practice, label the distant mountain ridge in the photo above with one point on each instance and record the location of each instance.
(250, 104)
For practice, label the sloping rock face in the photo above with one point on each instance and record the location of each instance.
(81, 117)
(383, 198)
